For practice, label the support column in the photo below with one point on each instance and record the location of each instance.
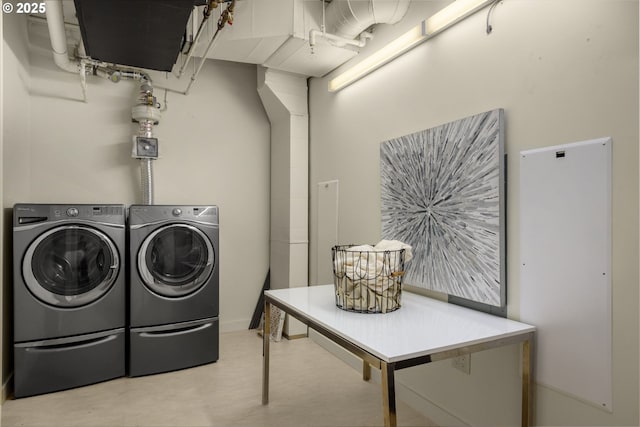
(284, 96)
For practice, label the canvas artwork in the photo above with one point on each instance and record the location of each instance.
(442, 192)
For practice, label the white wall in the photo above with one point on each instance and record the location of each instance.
(16, 129)
(564, 71)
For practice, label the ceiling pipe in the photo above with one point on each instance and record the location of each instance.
(114, 74)
(55, 23)
(349, 18)
(337, 40)
(211, 6)
(82, 67)
(226, 17)
(58, 36)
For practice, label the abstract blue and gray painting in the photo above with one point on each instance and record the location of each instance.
(442, 192)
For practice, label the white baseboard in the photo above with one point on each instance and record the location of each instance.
(409, 396)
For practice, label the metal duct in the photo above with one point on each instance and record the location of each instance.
(146, 165)
(348, 18)
(146, 175)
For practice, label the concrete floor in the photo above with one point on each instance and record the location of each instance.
(309, 387)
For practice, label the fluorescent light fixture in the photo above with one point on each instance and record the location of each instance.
(452, 14)
(396, 48)
(440, 21)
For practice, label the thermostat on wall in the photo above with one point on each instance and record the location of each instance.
(145, 148)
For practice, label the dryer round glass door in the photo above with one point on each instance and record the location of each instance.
(176, 260)
(70, 266)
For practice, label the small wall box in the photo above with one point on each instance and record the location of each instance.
(145, 148)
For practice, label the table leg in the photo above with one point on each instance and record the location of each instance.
(366, 370)
(388, 394)
(527, 399)
(266, 333)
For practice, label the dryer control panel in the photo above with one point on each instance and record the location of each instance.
(145, 214)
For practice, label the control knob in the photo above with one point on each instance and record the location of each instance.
(72, 212)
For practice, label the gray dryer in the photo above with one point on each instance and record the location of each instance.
(174, 287)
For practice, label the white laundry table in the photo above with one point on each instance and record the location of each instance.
(423, 330)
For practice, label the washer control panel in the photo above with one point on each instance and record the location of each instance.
(31, 213)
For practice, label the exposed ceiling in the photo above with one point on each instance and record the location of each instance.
(155, 34)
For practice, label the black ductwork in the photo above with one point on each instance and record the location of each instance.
(138, 33)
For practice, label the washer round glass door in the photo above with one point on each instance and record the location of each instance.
(176, 260)
(70, 266)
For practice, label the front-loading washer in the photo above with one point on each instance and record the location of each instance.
(173, 287)
(69, 295)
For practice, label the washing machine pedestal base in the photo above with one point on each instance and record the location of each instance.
(156, 349)
(63, 363)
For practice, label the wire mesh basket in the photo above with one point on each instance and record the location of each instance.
(367, 281)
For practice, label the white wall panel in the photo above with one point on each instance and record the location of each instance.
(565, 252)
(327, 230)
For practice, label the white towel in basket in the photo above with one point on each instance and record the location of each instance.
(362, 263)
(394, 245)
(369, 264)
